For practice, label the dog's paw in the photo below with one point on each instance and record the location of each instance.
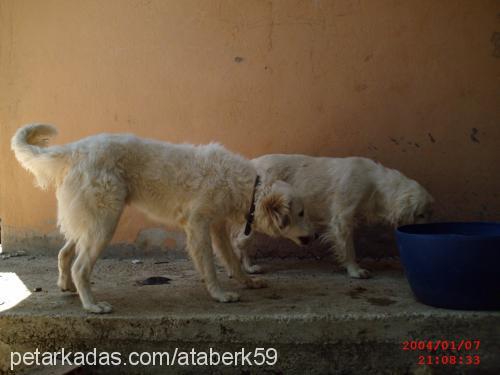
(256, 284)
(359, 273)
(254, 269)
(99, 308)
(227, 297)
(66, 285)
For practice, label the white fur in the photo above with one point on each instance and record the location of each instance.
(203, 189)
(339, 192)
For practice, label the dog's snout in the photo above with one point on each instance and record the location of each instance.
(304, 240)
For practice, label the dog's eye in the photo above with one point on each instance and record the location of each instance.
(301, 213)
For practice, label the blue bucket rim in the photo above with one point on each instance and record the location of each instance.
(403, 230)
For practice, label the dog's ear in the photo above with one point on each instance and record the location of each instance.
(276, 208)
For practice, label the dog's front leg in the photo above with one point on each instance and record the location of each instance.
(200, 249)
(350, 264)
(341, 234)
(223, 243)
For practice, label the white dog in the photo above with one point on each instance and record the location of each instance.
(203, 189)
(339, 192)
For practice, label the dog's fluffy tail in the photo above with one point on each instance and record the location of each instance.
(30, 147)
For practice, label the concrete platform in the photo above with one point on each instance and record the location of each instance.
(317, 319)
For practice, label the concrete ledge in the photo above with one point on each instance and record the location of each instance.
(319, 320)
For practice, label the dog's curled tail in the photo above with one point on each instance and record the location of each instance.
(30, 145)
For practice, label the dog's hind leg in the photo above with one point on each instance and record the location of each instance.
(88, 248)
(340, 233)
(199, 246)
(65, 257)
(87, 254)
(223, 244)
(90, 204)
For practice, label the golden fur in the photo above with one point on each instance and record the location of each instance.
(203, 189)
(339, 192)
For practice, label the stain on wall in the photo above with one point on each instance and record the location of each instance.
(474, 135)
(402, 82)
(495, 39)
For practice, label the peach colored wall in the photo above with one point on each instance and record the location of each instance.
(414, 84)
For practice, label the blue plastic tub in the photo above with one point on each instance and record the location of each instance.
(453, 265)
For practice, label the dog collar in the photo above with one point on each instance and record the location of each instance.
(251, 213)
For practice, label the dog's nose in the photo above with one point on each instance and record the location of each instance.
(304, 240)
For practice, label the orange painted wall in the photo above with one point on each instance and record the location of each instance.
(404, 82)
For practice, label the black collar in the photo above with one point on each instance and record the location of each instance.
(251, 213)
